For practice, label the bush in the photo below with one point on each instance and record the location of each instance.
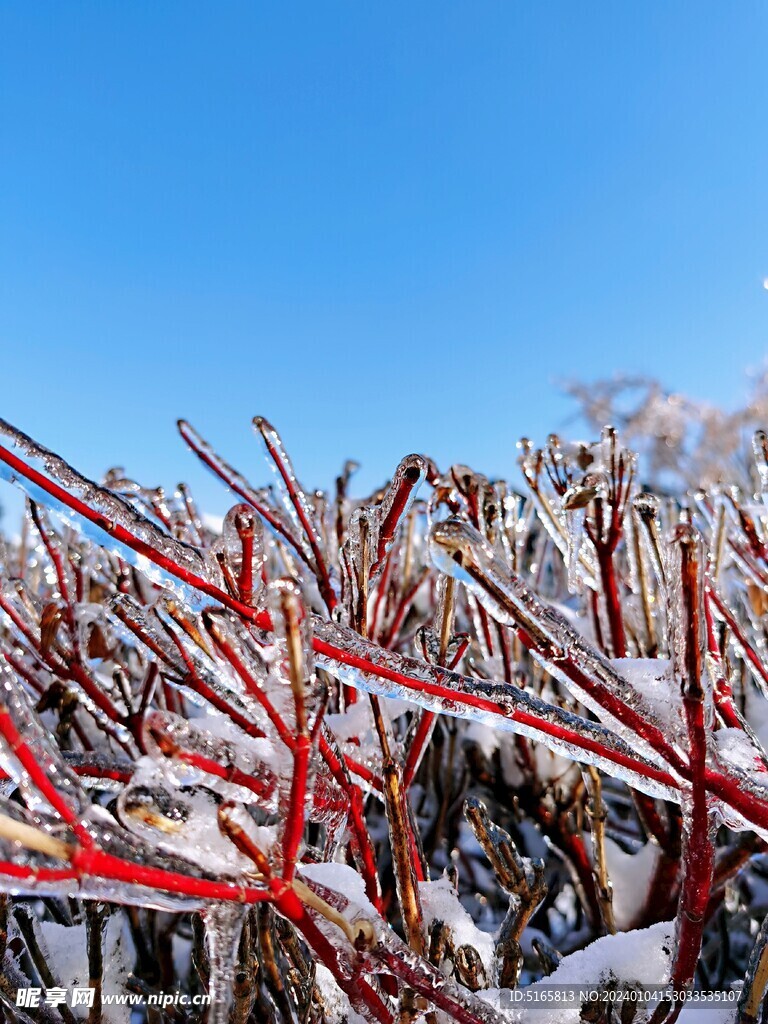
(395, 759)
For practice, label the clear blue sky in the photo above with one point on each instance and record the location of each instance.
(386, 226)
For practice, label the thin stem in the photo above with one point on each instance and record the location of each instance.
(598, 814)
(238, 484)
(294, 826)
(273, 446)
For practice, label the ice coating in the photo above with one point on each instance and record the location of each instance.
(298, 507)
(387, 951)
(285, 475)
(112, 512)
(646, 507)
(241, 547)
(396, 504)
(257, 499)
(502, 706)
(462, 552)
(242, 762)
(574, 526)
(39, 745)
(198, 738)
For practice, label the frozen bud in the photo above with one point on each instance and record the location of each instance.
(579, 495)
(396, 502)
(365, 934)
(145, 807)
(469, 968)
(427, 644)
(411, 469)
(239, 551)
(684, 533)
(684, 606)
(431, 469)
(760, 449)
(646, 505)
(555, 450)
(584, 457)
(463, 478)
(454, 541)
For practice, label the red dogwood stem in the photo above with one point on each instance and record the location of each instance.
(698, 850)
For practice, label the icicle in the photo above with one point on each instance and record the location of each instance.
(574, 528)
(223, 927)
(358, 559)
(760, 449)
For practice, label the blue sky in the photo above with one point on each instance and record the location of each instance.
(387, 227)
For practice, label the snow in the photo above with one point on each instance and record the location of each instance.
(67, 949)
(735, 747)
(354, 723)
(258, 749)
(630, 875)
(486, 738)
(708, 1015)
(336, 1003)
(344, 880)
(440, 902)
(757, 714)
(651, 678)
(641, 956)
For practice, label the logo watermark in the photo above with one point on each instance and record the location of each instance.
(31, 998)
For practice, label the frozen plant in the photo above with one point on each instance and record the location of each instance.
(385, 759)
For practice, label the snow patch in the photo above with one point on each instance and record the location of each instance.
(440, 902)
